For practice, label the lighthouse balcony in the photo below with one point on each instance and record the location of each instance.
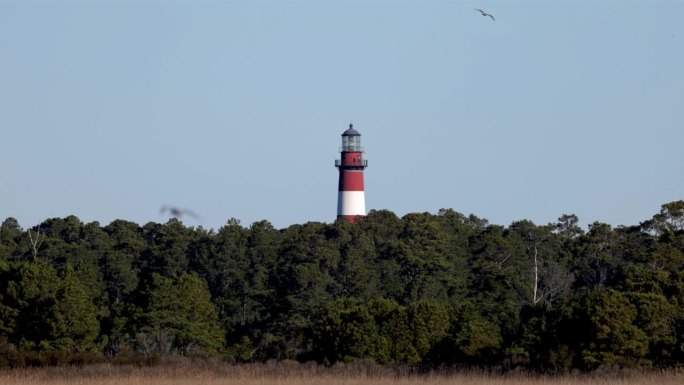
(351, 148)
(356, 163)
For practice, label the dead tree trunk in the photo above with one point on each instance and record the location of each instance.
(35, 243)
(536, 277)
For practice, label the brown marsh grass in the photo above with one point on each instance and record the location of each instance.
(290, 373)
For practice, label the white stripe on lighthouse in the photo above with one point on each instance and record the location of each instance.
(351, 203)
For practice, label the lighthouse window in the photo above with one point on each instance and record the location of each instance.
(351, 143)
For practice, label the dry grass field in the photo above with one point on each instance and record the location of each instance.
(295, 374)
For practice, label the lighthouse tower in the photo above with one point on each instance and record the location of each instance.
(351, 202)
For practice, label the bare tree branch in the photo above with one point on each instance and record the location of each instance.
(35, 243)
(536, 277)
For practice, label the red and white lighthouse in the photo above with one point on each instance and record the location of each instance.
(351, 202)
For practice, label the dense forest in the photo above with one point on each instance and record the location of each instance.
(426, 290)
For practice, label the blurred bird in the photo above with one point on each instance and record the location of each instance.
(178, 212)
(485, 13)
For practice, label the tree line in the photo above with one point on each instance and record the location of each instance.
(425, 290)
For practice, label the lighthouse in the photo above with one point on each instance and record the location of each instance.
(351, 202)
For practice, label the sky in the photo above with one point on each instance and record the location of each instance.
(111, 110)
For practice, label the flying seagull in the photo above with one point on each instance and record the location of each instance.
(485, 13)
(178, 212)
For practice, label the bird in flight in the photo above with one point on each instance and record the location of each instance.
(178, 212)
(485, 13)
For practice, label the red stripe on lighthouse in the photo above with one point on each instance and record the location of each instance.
(352, 158)
(351, 180)
(351, 218)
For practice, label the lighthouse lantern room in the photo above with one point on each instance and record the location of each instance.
(350, 199)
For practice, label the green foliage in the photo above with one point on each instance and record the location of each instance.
(393, 325)
(42, 311)
(29, 304)
(76, 324)
(424, 289)
(476, 338)
(347, 331)
(428, 321)
(10, 232)
(657, 318)
(182, 308)
(380, 330)
(613, 337)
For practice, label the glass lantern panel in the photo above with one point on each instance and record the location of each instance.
(351, 143)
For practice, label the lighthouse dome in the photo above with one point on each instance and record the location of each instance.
(351, 131)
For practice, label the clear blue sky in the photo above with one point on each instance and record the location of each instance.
(109, 110)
